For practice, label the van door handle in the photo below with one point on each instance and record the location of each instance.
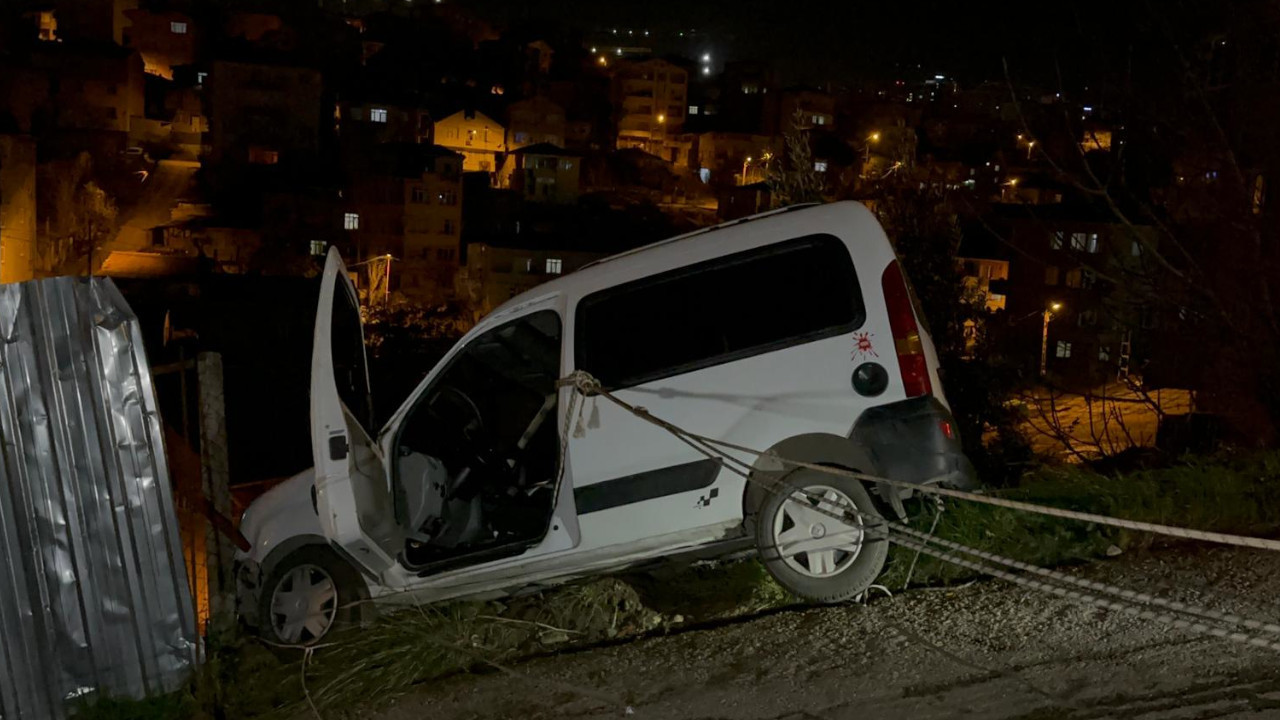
(338, 447)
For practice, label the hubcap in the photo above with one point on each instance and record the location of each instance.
(813, 535)
(303, 605)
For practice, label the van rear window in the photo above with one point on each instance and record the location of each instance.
(717, 311)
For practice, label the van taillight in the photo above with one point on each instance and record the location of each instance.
(906, 333)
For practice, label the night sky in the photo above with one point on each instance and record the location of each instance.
(858, 40)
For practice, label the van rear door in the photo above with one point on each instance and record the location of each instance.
(752, 347)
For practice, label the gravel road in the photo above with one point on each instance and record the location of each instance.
(988, 650)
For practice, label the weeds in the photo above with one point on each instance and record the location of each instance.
(1221, 493)
(375, 663)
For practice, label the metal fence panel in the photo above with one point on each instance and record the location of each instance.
(93, 590)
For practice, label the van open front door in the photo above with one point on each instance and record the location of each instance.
(353, 497)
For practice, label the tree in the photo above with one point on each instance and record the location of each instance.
(1186, 180)
(979, 376)
(795, 180)
(75, 214)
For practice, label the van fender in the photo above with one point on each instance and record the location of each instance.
(819, 449)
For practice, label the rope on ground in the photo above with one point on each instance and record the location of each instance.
(1138, 611)
(587, 385)
(937, 516)
(1123, 594)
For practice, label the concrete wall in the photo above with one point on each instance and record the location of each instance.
(17, 207)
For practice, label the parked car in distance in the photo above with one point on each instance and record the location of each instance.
(793, 331)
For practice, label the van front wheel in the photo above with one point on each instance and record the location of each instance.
(820, 536)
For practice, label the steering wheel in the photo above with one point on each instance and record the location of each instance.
(474, 428)
(467, 424)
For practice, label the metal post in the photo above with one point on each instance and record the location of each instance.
(216, 481)
(1044, 344)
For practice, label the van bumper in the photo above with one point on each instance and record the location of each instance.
(908, 441)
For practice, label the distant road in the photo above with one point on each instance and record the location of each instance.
(167, 182)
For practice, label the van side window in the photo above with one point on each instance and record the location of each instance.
(348, 353)
(713, 312)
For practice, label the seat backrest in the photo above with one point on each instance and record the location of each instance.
(419, 493)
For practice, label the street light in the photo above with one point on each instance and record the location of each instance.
(745, 164)
(1044, 336)
(1030, 145)
(874, 137)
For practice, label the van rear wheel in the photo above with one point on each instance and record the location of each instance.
(820, 537)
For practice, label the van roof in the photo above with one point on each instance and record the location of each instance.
(553, 287)
(695, 233)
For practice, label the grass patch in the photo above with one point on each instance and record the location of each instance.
(371, 665)
(1233, 494)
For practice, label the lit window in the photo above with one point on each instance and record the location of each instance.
(693, 109)
(1055, 241)
(447, 197)
(819, 120)
(1078, 241)
(1088, 278)
(200, 76)
(1093, 243)
(351, 221)
(522, 137)
(820, 166)
(567, 165)
(178, 28)
(1135, 249)
(1104, 353)
(378, 115)
(1051, 275)
(263, 156)
(1064, 349)
(319, 247)
(554, 266)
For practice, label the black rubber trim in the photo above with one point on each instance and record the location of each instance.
(646, 486)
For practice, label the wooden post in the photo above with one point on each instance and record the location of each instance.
(216, 481)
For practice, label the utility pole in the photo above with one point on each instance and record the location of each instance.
(1044, 337)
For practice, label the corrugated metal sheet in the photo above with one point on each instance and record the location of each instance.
(93, 590)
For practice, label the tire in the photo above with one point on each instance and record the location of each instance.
(305, 574)
(830, 574)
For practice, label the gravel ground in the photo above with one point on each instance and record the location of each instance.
(988, 650)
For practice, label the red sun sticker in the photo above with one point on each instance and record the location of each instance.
(862, 347)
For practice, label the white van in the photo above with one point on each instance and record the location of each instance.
(793, 331)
